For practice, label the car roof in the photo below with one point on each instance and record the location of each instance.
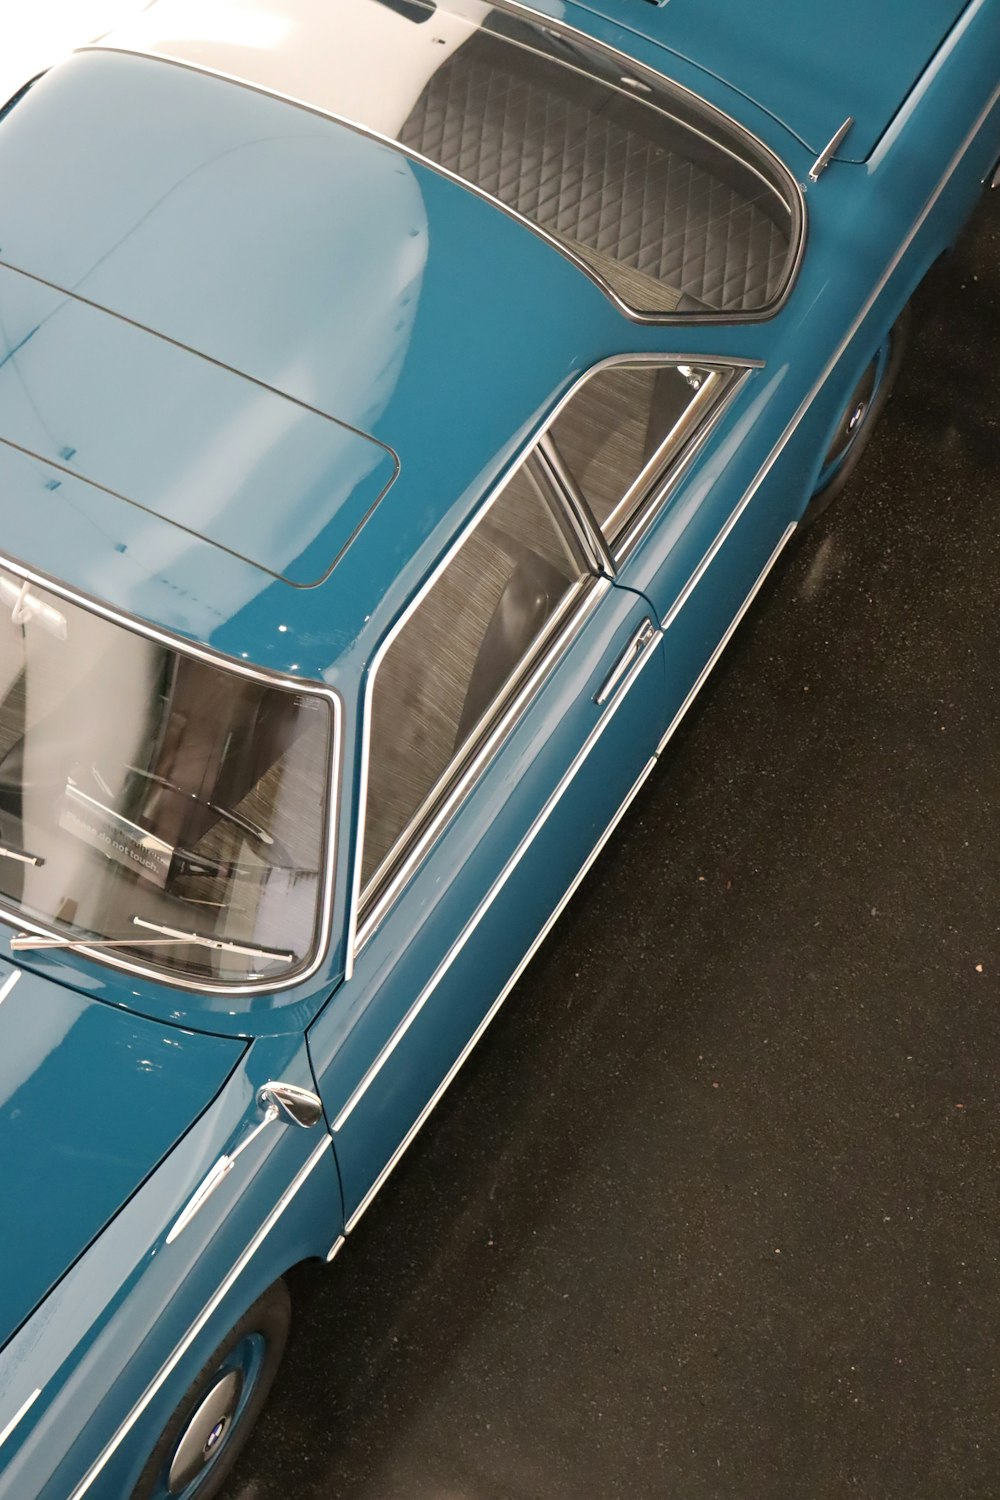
(302, 255)
(323, 266)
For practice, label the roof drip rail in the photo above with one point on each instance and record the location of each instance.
(831, 148)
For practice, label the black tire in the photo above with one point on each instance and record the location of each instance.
(269, 1319)
(898, 338)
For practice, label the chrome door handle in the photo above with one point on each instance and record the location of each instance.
(634, 649)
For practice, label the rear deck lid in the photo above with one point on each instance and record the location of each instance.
(810, 66)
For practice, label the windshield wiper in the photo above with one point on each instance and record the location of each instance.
(28, 942)
(21, 855)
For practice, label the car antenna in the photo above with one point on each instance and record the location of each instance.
(832, 146)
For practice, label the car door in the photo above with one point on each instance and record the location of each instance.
(625, 442)
(510, 713)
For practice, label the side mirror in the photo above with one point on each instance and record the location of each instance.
(297, 1106)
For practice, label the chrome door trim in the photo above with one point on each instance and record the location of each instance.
(796, 198)
(498, 1002)
(19, 1415)
(224, 1287)
(24, 923)
(644, 657)
(359, 931)
(786, 537)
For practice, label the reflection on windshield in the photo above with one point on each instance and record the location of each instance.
(144, 791)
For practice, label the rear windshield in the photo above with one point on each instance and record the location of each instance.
(162, 809)
(672, 208)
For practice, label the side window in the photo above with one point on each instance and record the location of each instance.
(463, 650)
(624, 426)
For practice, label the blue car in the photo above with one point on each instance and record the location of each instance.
(400, 406)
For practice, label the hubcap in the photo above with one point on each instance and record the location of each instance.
(854, 418)
(203, 1437)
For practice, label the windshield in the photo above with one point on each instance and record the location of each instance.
(154, 804)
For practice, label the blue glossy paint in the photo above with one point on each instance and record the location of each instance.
(220, 457)
(380, 294)
(112, 1327)
(91, 1099)
(810, 66)
(412, 960)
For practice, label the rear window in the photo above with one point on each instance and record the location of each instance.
(671, 207)
(660, 198)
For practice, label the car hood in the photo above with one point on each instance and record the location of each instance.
(810, 66)
(91, 1099)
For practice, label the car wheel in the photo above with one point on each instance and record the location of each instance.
(859, 418)
(203, 1438)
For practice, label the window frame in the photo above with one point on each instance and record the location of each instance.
(367, 907)
(13, 917)
(660, 475)
(370, 904)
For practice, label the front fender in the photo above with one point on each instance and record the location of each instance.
(115, 1345)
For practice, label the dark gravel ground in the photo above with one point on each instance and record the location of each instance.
(712, 1211)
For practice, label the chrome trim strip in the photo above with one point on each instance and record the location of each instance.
(426, 834)
(13, 918)
(796, 203)
(662, 490)
(312, 1161)
(21, 1412)
(536, 827)
(831, 148)
(577, 510)
(358, 933)
(494, 1008)
(727, 637)
(335, 1248)
(688, 422)
(8, 985)
(830, 366)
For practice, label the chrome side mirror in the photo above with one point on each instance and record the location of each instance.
(298, 1106)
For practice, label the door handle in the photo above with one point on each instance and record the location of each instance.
(634, 649)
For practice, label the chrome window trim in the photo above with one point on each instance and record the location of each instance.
(704, 397)
(674, 454)
(450, 789)
(223, 1289)
(674, 470)
(415, 840)
(604, 718)
(359, 930)
(796, 202)
(19, 922)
